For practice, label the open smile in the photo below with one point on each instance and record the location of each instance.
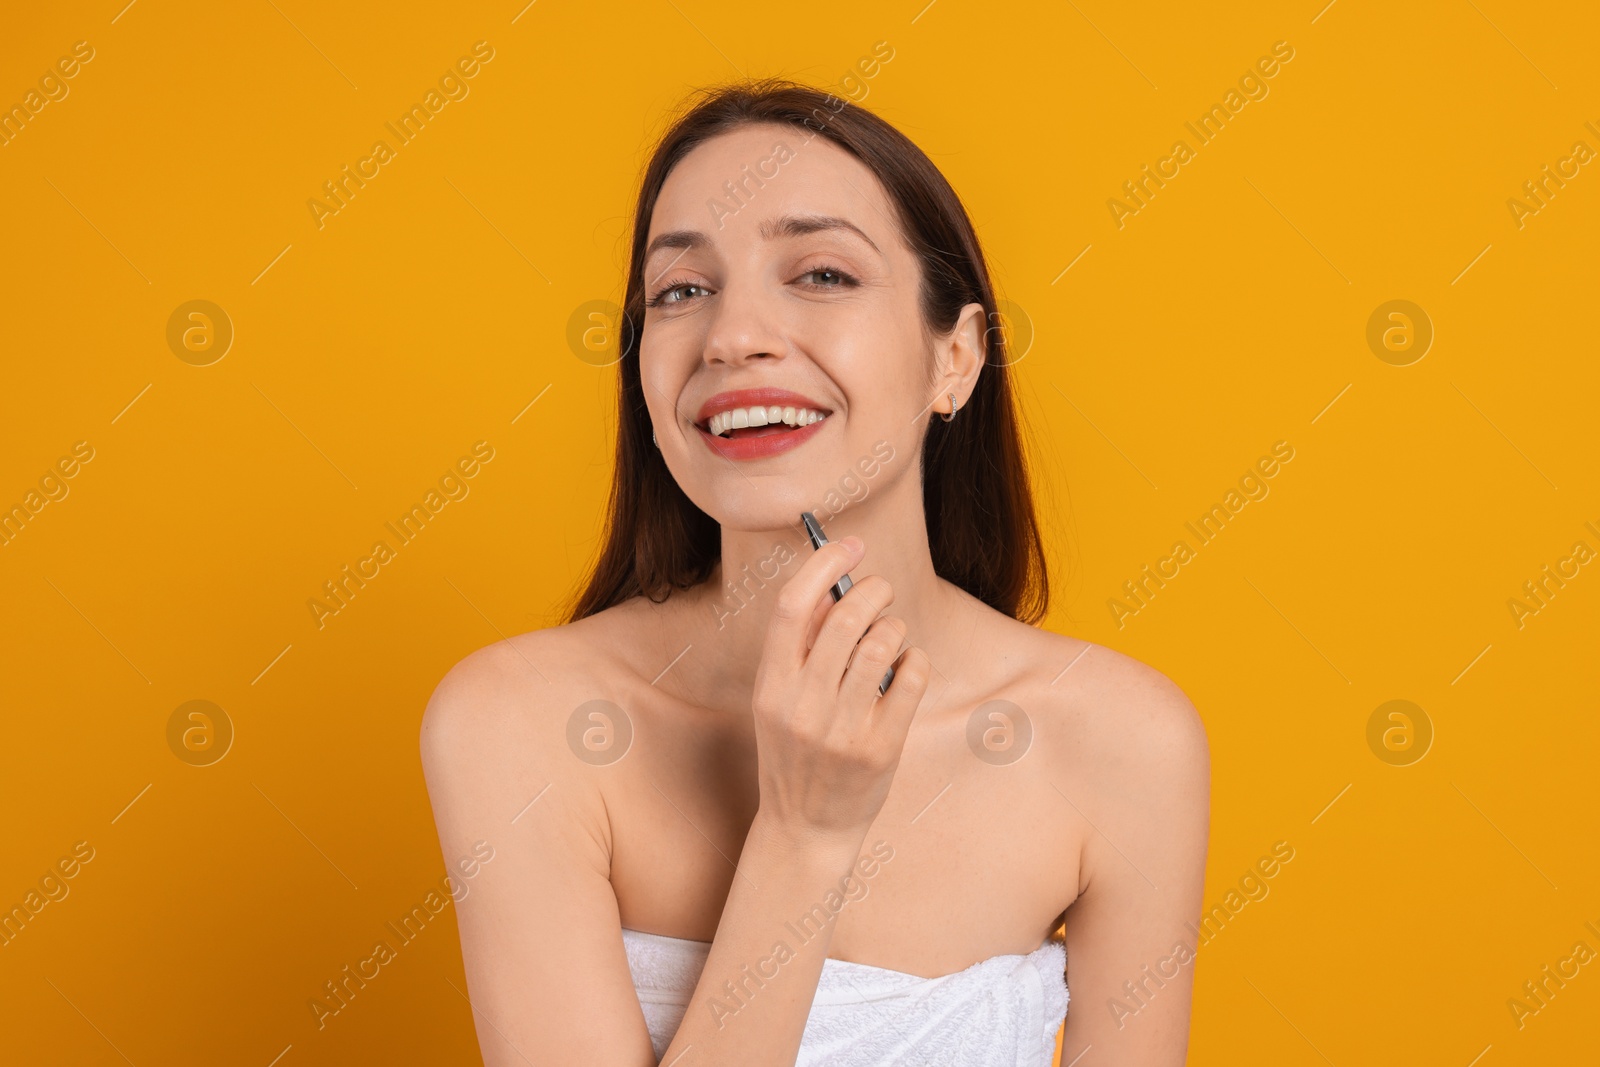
(756, 423)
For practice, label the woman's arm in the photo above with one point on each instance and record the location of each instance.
(1139, 792)
(540, 932)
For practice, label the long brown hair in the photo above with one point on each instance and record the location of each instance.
(982, 531)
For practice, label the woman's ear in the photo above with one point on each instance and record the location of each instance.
(960, 355)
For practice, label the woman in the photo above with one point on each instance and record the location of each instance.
(715, 842)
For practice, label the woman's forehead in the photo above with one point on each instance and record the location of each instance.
(735, 182)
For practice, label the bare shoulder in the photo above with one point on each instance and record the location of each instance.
(1126, 748)
(1117, 719)
(496, 687)
(494, 744)
(1131, 703)
(504, 707)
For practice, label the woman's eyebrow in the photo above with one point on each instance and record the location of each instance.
(801, 225)
(786, 226)
(684, 239)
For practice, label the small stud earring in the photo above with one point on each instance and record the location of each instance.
(952, 415)
(653, 438)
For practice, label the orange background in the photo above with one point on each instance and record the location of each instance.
(369, 354)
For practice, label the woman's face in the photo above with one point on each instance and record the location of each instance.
(775, 263)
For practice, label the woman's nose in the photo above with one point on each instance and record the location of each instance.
(744, 325)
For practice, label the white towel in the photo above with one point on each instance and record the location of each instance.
(1002, 1012)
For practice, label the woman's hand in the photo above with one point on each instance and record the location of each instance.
(826, 744)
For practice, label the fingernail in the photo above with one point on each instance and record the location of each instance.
(854, 543)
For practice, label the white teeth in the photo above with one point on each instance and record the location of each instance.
(736, 418)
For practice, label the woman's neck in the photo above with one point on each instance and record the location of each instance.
(723, 621)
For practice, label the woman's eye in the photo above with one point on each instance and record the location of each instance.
(677, 294)
(828, 278)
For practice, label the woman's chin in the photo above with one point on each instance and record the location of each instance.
(776, 512)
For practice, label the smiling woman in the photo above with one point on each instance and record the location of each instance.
(740, 762)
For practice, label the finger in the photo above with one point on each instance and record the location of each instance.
(847, 623)
(878, 648)
(891, 716)
(788, 631)
(818, 614)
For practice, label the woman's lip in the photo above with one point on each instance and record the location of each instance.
(749, 398)
(746, 448)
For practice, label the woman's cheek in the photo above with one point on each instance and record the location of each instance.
(870, 338)
(657, 372)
